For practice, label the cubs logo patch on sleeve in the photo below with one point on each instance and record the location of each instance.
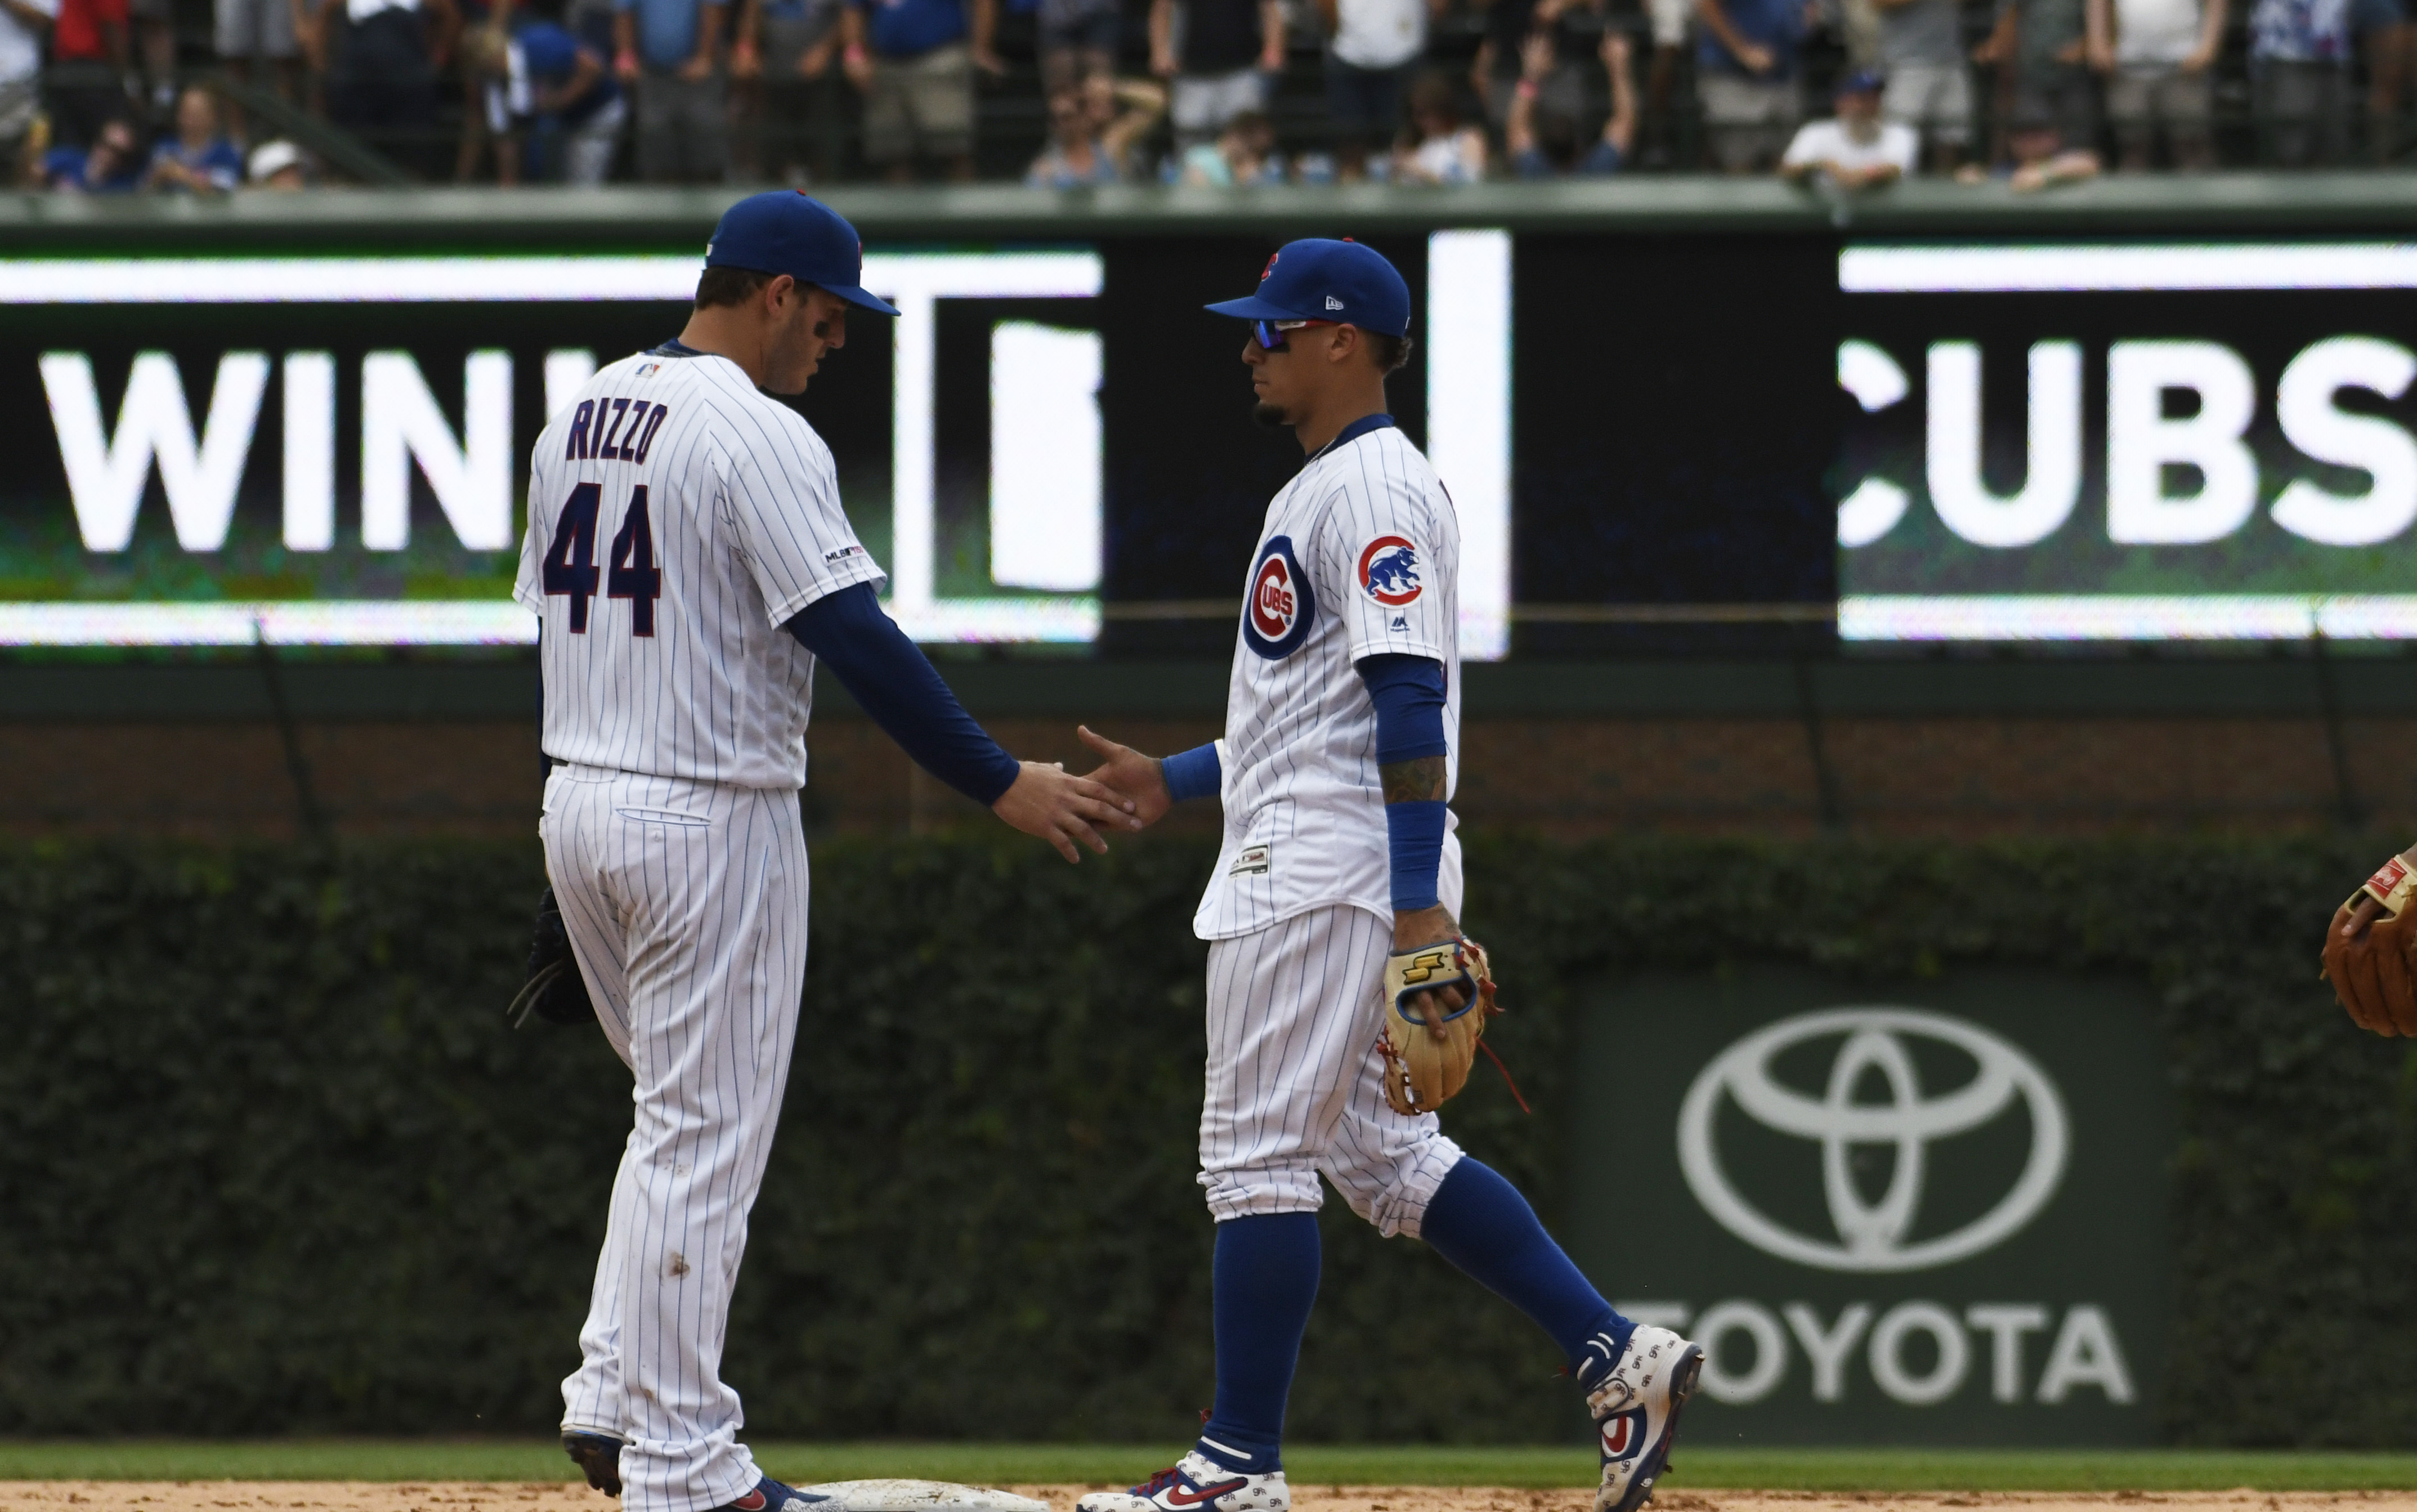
(1388, 571)
(1281, 606)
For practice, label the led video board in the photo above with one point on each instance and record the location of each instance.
(334, 450)
(2128, 442)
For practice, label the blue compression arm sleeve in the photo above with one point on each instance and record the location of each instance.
(899, 688)
(1194, 773)
(1408, 693)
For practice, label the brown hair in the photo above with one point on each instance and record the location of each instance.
(1388, 352)
(729, 286)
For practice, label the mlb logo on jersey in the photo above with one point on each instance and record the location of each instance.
(1388, 571)
(1281, 605)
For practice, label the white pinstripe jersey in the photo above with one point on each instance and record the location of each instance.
(677, 518)
(1359, 555)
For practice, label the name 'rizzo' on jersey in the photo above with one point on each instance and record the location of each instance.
(677, 519)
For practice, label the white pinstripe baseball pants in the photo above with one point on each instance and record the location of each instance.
(686, 905)
(1296, 1084)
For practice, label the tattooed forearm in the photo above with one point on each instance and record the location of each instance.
(1413, 782)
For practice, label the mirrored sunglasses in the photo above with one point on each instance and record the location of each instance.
(1270, 333)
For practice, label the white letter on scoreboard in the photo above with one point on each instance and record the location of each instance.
(400, 422)
(2052, 475)
(2141, 442)
(1045, 457)
(106, 474)
(1468, 422)
(310, 451)
(2303, 402)
(567, 370)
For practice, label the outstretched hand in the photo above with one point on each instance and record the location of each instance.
(1139, 779)
(1048, 800)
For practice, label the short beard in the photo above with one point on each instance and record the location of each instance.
(1271, 416)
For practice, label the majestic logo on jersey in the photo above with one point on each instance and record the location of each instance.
(1388, 571)
(1282, 608)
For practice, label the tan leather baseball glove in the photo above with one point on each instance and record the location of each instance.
(2372, 968)
(1427, 1055)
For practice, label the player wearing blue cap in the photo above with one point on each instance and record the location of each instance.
(1339, 757)
(707, 514)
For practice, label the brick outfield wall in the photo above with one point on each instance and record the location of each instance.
(1945, 777)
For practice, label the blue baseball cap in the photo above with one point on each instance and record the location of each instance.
(1320, 280)
(1861, 81)
(789, 231)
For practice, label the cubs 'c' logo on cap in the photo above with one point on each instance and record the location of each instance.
(1281, 607)
(1271, 268)
(1388, 571)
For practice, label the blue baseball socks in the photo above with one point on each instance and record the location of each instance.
(1264, 1279)
(1481, 1223)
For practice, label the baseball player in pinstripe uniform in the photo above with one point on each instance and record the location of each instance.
(1340, 753)
(690, 562)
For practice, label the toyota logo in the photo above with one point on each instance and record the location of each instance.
(1873, 1236)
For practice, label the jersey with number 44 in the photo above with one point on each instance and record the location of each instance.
(677, 519)
(1360, 557)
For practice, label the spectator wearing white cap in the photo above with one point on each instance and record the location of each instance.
(277, 165)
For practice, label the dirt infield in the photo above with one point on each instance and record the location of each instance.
(481, 1496)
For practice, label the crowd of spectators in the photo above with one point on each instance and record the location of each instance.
(111, 95)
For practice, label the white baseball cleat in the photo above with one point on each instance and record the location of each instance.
(1636, 1398)
(1196, 1484)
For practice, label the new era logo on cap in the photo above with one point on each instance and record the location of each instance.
(1334, 303)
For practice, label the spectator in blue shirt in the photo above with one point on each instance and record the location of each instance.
(670, 50)
(112, 164)
(199, 159)
(2298, 58)
(1746, 77)
(566, 89)
(544, 86)
(914, 61)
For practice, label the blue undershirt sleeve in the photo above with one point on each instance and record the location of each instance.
(1194, 773)
(901, 691)
(1408, 692)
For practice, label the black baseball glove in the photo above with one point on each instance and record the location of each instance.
(553, 991)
